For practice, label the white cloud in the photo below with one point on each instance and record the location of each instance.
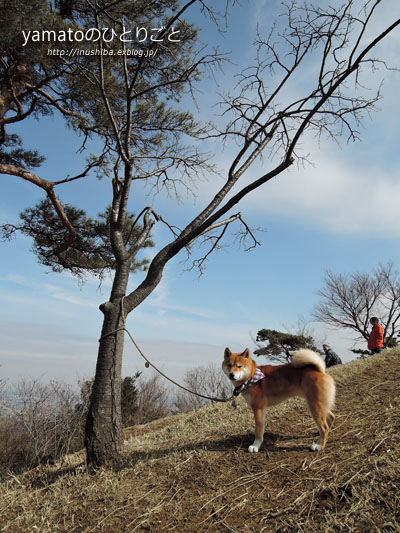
(335, 195)
(45, 352)
(42, 352)
(163, 301)
(70, 299)
(47, 290)
(18, 279)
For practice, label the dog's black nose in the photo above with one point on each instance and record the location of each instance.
(231, 375)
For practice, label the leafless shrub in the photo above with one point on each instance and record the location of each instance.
(208, 381)
(142, 400)
(38, 422)
(152, 400)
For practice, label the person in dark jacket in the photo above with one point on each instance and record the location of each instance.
(331, 358)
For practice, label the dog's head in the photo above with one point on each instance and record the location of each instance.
(237, 366)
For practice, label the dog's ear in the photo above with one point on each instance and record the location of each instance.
(227, 353)
(246, 353)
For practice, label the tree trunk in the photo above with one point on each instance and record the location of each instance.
(103, 434)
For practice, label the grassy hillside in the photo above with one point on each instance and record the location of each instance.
(192, 473)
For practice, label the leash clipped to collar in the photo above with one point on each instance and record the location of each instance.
(258, 376)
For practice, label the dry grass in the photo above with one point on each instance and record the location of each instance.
(192, 473)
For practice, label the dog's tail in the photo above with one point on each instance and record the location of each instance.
(326, 386)
(304, 357)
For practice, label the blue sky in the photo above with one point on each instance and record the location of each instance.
(340, 213)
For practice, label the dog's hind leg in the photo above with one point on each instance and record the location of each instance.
(320, 397)
(259, 417)
(330, 419)
(324, 420)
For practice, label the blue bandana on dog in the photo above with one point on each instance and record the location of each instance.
(258, 376)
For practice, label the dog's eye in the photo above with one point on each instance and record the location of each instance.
(239, 366)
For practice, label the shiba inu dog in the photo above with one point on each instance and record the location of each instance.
(267, 385)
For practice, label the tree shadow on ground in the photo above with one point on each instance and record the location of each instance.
(273, 443)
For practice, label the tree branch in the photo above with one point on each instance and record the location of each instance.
(48, 187)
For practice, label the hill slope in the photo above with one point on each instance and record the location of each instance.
(192, 473)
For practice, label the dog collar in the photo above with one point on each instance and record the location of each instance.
(258, 376)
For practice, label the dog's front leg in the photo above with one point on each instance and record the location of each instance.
(259, 417)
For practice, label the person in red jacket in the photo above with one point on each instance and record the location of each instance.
(375, 341)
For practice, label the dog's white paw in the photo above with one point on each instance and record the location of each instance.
(315, 447)
(253, 448)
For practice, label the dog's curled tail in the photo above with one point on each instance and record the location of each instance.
(305, 357)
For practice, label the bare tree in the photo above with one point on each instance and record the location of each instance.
(259, 121)
(128, 102)
(350, 300)
(152, 400)
(39, 422)
(206, 380)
